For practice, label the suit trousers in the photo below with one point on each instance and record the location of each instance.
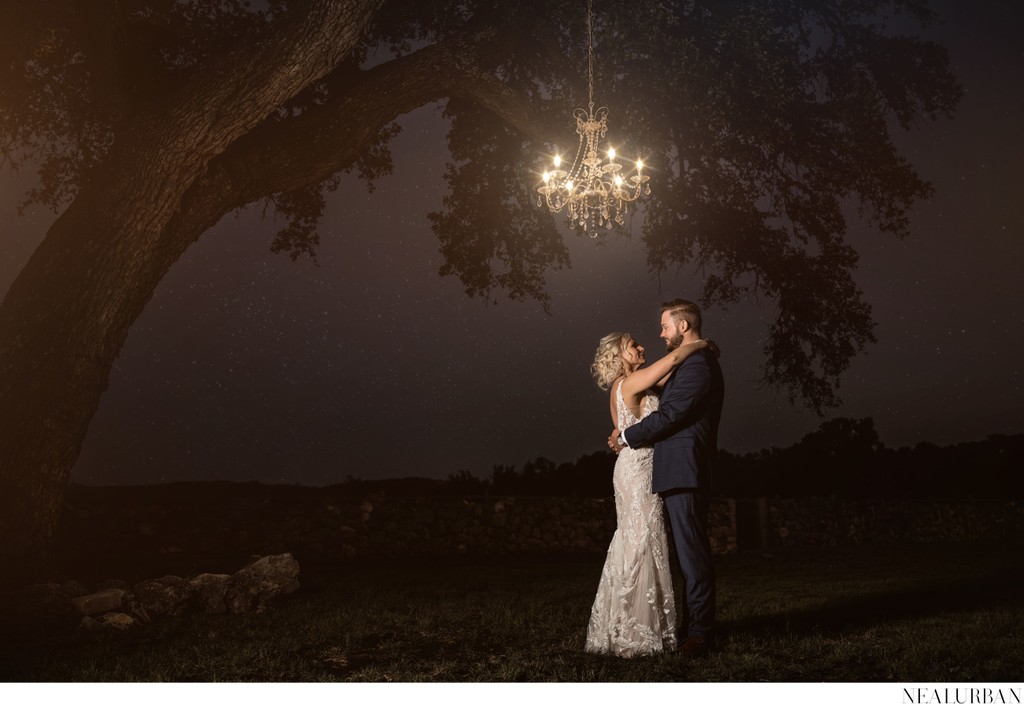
(687, 511)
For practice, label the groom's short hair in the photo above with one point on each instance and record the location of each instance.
(680, 309)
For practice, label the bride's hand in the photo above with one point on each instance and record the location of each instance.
(613, 441)
(712, 347)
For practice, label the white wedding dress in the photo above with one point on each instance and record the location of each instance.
(634, 612)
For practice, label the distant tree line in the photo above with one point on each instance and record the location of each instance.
(843, 458)
(589, 476)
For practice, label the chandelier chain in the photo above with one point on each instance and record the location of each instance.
(590, 53)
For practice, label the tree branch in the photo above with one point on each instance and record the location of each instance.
(300, 152)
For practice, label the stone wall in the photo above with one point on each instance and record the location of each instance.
(325, 526)
(832, 522)
(318, 525)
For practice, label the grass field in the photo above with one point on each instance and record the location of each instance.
(935, 613)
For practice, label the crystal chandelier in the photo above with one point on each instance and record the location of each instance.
(594, 192)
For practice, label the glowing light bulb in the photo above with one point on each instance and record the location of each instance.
(547, 177)
(611, 153)
(618, 181)
(639, 164)
(558, 160)
(568, 185)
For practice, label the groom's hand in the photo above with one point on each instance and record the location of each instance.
(613, 441)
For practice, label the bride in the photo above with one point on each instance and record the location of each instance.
(634, 612)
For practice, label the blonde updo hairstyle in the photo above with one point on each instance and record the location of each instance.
(607, 364)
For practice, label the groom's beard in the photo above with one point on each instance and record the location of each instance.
(674, 343)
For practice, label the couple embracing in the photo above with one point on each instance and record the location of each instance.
(666, 447)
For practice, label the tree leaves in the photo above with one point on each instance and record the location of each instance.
(768, 122)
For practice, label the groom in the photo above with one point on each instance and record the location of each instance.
(684, 432)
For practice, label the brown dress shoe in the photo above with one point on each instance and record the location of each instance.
(694, 647)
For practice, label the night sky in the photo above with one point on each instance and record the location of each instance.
(248, 366)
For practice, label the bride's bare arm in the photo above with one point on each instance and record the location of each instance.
(655, 374)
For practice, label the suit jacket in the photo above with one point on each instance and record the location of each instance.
(684, 428)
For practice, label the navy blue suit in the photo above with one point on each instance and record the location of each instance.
(684, 432)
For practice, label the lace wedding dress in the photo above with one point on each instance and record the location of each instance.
(634, 612)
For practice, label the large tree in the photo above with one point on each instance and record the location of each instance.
(148, 120)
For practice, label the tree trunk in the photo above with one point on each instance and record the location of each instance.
(67, 314)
